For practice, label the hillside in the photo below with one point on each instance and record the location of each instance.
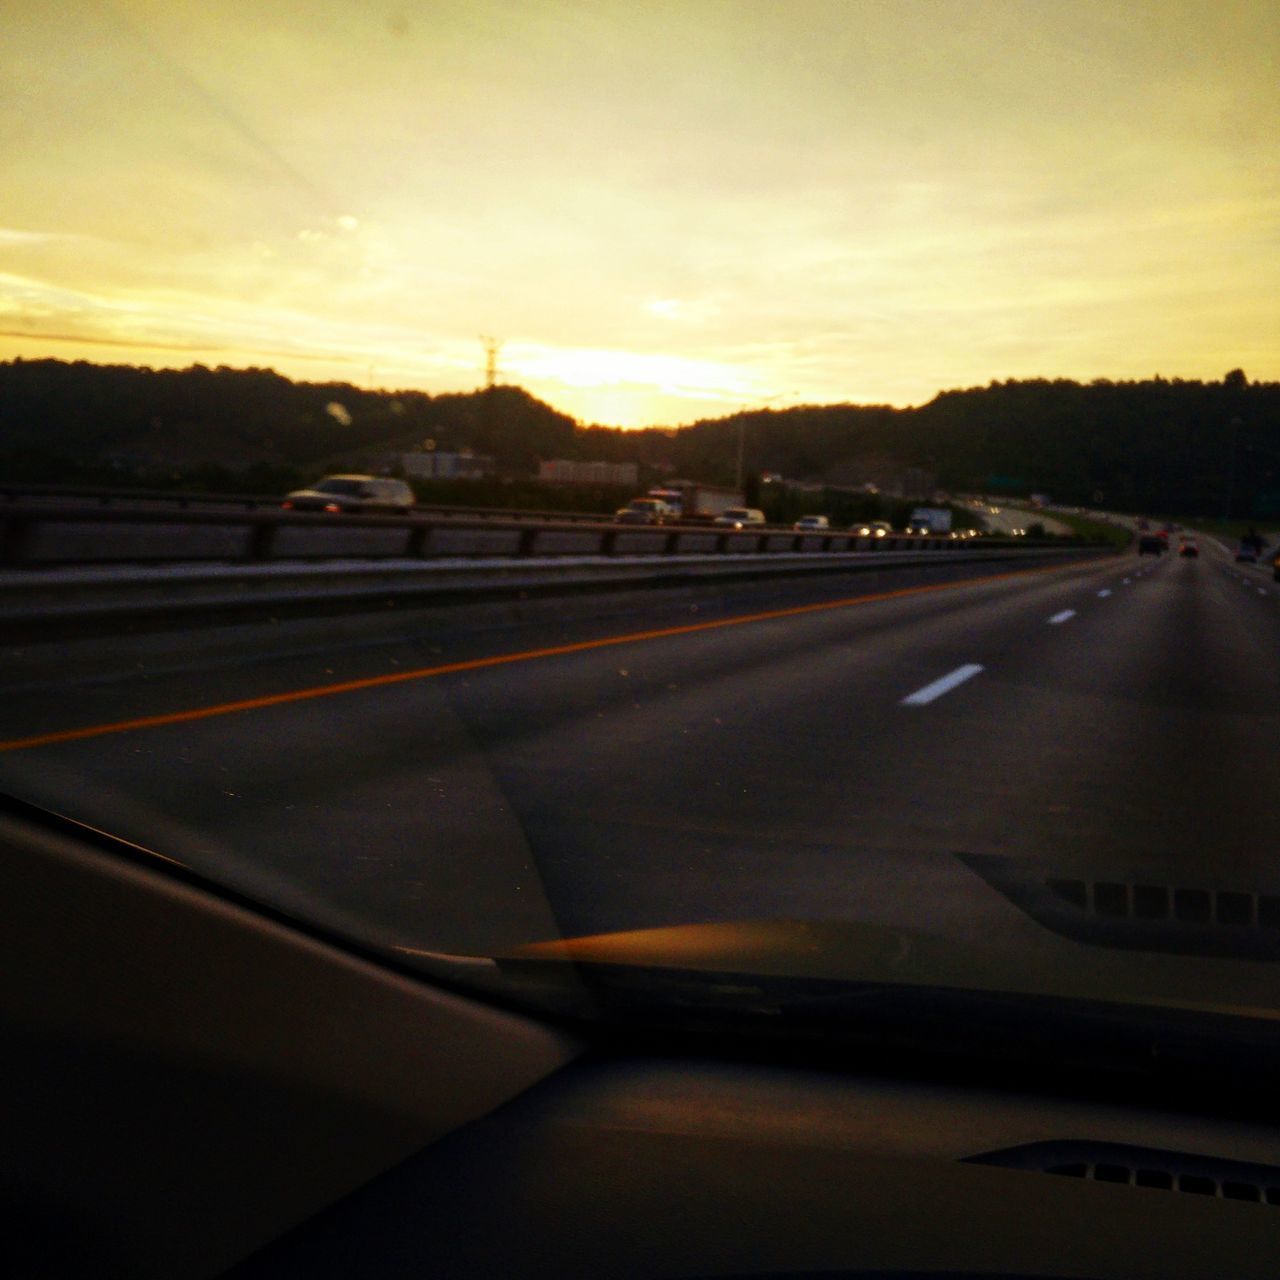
(1157, 445)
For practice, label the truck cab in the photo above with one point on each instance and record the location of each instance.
(646, 511)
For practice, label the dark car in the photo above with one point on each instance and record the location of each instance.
(1189, 549)
(1151, 544)
(352, 493)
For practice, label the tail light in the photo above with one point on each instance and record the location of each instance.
(287, 505)
(332, 506)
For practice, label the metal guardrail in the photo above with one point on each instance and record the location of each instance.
(46, 536)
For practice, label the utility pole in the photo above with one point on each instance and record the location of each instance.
(742, 427)
(491, 347)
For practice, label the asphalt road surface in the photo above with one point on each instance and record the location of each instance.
(712, 754)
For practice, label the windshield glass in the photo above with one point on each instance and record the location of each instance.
(1004, 274)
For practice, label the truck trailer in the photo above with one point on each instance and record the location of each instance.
(696, 501)
(930, 520)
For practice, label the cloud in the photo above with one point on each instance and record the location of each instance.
(15, 238)
(675, 206)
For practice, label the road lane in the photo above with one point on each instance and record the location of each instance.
(1005, 764)
(50, 687)
(745, 770)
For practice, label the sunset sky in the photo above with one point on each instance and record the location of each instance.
(664, 209)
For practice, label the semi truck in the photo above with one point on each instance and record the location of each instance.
(696, 501)
(930, 520)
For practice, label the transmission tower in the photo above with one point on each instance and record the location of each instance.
(491, 347)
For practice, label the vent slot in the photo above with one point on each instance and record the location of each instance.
(1159, 902)
(1139, 914)
(1123, 1165)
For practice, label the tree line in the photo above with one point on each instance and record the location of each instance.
(1157, 445)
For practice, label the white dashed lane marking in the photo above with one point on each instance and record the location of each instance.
(922, 697)
(1061, 617)
(1104, 593)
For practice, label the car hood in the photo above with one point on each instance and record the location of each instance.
(845, 987)
(853, 952)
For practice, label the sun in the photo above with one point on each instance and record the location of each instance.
(629, 388)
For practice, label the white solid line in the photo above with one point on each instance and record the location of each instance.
(1102, 595)
(1062, 617)
(935, 690)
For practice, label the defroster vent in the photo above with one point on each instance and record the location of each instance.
(1130, 1166)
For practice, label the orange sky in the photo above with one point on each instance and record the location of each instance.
(665, 211)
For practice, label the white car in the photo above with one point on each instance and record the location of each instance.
(808, 524)
(740, 517)
(335, 494)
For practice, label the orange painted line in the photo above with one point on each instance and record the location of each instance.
(497, 660)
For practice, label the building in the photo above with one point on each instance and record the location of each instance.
(566, 471)
(437, 465)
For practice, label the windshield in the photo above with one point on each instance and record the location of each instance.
(1001, 274)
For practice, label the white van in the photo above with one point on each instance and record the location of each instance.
(739, 517)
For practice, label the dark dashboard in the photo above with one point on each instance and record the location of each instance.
(196, 1088)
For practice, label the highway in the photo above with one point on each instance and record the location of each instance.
(467, 780)
(1015, 519)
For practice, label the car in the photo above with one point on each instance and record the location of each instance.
(1151, 544)
(336, 494)
(1247, 553)
(873, 529)
(1187, 548)
(810, 524)
(739, 517)
(645, 511)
